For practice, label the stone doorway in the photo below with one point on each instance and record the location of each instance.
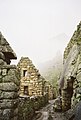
(67, 94)
(26, 92)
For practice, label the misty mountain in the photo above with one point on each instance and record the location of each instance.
(50, 64)
(52, 69)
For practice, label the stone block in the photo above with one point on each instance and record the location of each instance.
(1, 113)
(12, 72)
(78, 77)
(8, 104)
(15, 118)
(8, 86)
(0, 76)
(7, 113)
(4, 104)
(79, 67)
(0, 80)
(8, 95)
(11, 78)
(15, 111)
(0, 71)
(4, 72)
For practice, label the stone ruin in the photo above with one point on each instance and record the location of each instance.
(50, 90)
(9, 82)
(31, 82)
(18, 85)
(25, 80)
(70, 80)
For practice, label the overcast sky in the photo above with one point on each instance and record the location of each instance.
(30, 26)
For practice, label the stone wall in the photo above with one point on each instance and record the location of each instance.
(30, 78)
(48, 88)
(13, 80)
(28, 106)
(9, 86)
(70, 80)
(76, 38)
(9, 82)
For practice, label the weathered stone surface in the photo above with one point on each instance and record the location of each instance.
(9, 82)
(2, 62)
(78, 111)
(26, 110)
(78, 77)
(28, 106)
(4, 72)
(58, 104)
(76, 38)
(5, 47)
(2, 56)
(71, 69)
(11, 78)
(8, 95)
(30, 77)
(1, 112)
(8, 103)
(0, 79)
(74, 113)
(7, 113)
(8, 86)
(10, 106)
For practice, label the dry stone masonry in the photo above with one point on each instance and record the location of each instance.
(9, 82)
(48, 88)
(70, 80)
(15, 103)
(32, 83)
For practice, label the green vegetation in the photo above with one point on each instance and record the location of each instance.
(51, 70)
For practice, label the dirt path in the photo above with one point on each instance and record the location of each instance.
(47, 113)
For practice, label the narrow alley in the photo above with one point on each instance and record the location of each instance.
(47, 113)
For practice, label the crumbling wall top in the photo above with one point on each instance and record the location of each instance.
(6, 49)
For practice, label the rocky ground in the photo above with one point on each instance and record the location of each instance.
(47, 113)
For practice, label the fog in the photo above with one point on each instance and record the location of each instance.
(39, 29)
